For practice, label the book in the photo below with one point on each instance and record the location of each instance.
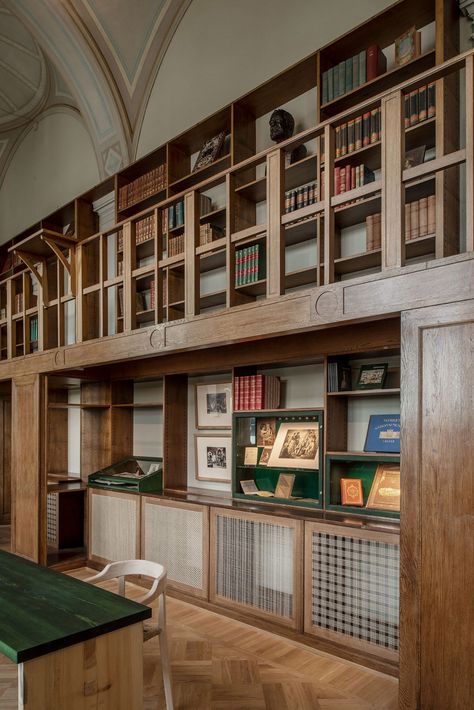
(351, 491)
(369, 232)
(407, 46)
(376, 62)
(431, 214)
(414, 115)
(383, 434)
(355, 72)
(362, 67)
(415, 220)
(423, 216)
(431, 93)
(348, 64)
(385, 491)
(422, 103)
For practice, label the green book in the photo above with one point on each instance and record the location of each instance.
(355, 71)
(362, 67)
(348, 63)
(342, 78)
(330, 73)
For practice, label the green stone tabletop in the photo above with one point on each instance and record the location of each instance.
(42, 611)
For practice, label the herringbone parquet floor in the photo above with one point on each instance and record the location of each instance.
(221, 664)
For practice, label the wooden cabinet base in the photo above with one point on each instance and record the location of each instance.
(106, 671)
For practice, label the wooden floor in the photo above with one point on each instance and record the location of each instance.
(221, 664)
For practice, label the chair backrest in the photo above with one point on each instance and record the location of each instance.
(125, 568)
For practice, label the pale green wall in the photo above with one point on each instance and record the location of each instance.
(53, 164)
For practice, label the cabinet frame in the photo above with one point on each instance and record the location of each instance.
(123, 496)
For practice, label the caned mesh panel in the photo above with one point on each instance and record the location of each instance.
(113, 527)
(51, 517)
(355, 588)
(173, 537)
(254, 564)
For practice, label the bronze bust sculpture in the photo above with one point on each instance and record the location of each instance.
(282, 125)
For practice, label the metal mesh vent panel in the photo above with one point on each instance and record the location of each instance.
(114, 528)
(51, 517)
(173, 537)
(255, 565)
(356, 588)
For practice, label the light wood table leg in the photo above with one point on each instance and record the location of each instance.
(105, 672)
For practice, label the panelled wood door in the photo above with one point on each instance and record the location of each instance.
(437, 509)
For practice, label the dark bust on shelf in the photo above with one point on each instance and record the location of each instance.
(282, 125)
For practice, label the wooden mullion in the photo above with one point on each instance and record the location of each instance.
(393, 190)
(80, 259)
(103, 320)
(191, 261)
(275, 229)
(128, 287)
(329, 221)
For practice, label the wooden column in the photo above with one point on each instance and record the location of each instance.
(275, 230)
(128, 293)
(470, 153)
(393, 191)
(329, 226)
(191, 262)
(79, 297)
(28, 475)
(437, 504)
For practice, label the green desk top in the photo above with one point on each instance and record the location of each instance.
(42, 611)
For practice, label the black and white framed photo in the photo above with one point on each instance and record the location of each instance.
(296, 446)
(213, 457)
(214, 405)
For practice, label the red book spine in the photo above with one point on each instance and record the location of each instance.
(251, 392)
(376, 62)
(353, 178)
(236, 393)
(259, 404)
(337, 181)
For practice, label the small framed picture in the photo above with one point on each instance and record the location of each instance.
(266, 429)
(285, 485)
(372, 376)
(296, 446)
(407, 46)
(265, 455)
(213, 458)
(209, 151)
(385, 491)
(415, 156)
(214, 405)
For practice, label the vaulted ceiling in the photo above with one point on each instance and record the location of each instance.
(97, 57)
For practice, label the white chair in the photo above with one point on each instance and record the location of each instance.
(121, 570)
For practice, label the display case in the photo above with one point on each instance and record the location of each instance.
(278, 456)
(142, 474)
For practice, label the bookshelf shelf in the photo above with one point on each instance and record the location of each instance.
(364, 454)
(212, 246)
(146, 248)
(389, 392)
(145, 316)
(255, 190)
(370, 154)
(213, 214)
(358, 262)
(304, 212)
(301, 172)
(422, 246)
(298, 232)
(141, 205)
(200, 174)
(257, 288)
(177, 260)
(139, 405)
(213, 260)
(422, 187)
(216, 298)
(382, 82)
(301, 277)
(351, 214)
(259, 231)
(143, 271)
(176, 230)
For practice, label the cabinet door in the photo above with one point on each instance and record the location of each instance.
(437, 509)
(256, 565)
(351, 588)
(177, 536)
(114, 526)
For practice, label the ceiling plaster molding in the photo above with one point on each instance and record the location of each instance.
(61, 40)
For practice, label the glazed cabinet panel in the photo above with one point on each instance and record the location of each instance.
(351, 588)
(256, 565)
(114, 526)
(177, 536)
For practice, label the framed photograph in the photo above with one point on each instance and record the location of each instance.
(265, 455)
(296, 446)
(214, 405)
(351, 491)
(383, 434)
(213, 457)
(209, 151)
(372, 376)
(251, 456)
(385, 491)
(285, 485)
(407, 46)
(266, 429)
(415, 156)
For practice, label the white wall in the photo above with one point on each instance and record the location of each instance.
(53, 164)
(223, 49)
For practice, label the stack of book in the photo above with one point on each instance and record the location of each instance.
(205, 204)
(339, 377)
(18, 302)
(256, 392)
(176, 245)
(353, 72)
(249, 265)
(144, 186)
(420, 104)
(350, 177)
(120, 267)
(208, 233)
(301, 197)
(146, 299)
(420, 218)
(120, 241)
(144, 229)
(358, 132)
(172, 217)
(373, 231)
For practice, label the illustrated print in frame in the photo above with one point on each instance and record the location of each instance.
(214, 405)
